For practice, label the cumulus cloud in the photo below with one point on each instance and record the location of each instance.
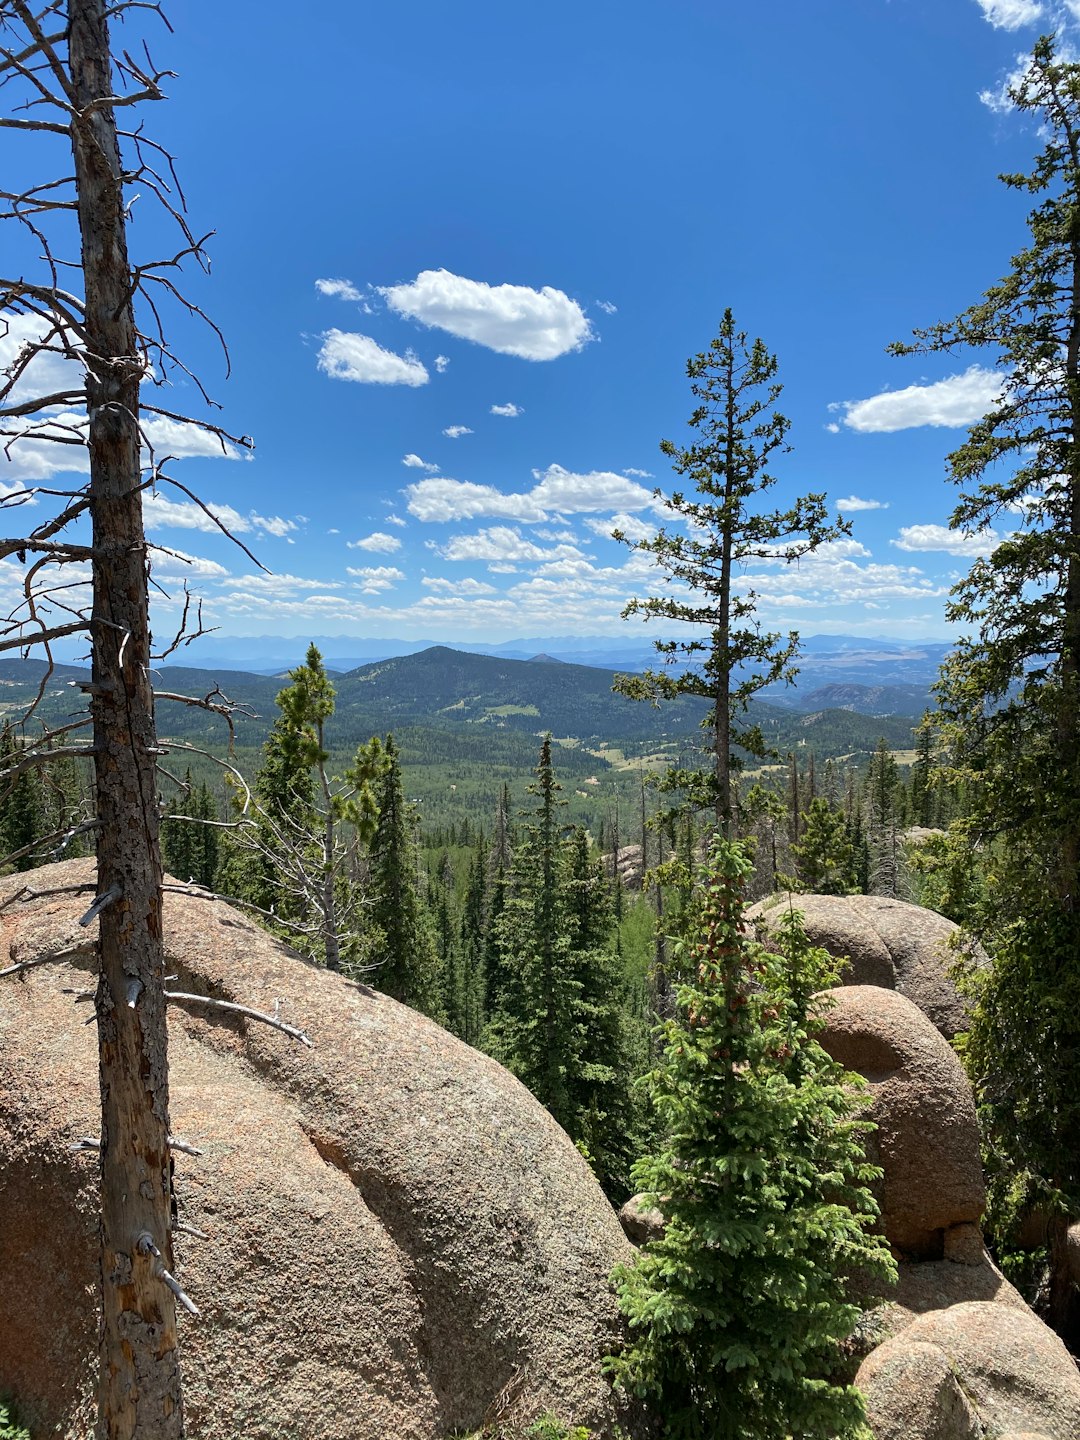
(510, 410)
(338, 289)
(458, 587)
(347, 356)
(441, 362)
(511, 319)
(854, 502)
(503, 544)
(373, 578)
(958, 400)
(1011, 14)
(178, 565)
(632, 526)
(415, 463)
(378, 542)
(455, 432)
(557, 491)
(951, 542)
(184, 515)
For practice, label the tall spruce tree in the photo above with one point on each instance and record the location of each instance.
(737, 1314)
(824, 856)
(1010, 693)
(739, 434)
(561, 1025)
(400, 942)
(189, 834)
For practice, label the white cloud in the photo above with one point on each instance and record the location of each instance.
(178, 565)
(511, 319)
(503, 544)
(338, 289)
(958, 400)
(346, 356)
(441, 362)
(560, 537)
(396, 520)
(557, 491)
(415, 463)
(455, 432)
(631, 526)
(378, 542)
(185, 515)
(833, 428)
(853, 502)
(638, 474)
(952, 542)
(606, 306)
(510, 410)
(458, 587)
(373, 578)
(1011, 14)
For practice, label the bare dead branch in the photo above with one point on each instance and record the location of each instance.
(55, 957)
(182, 998)
(101, 903)
(145, 1246)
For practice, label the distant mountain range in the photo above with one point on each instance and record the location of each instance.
(493, 702)
(879, 676)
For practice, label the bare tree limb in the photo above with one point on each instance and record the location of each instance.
(181, 998)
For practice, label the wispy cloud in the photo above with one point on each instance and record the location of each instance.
(950, 542)
(347, 356)
(415, 463)
(1011, 14)
(455, 432)
(854, 502)
(511, 319)
(379, 542)
(510, 410)
(953, 402)
(441, 363)
(183, 515)
(338, 289)
(373, 578)
(458, 587)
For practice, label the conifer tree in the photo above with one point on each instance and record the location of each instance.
(1009, 696)
(189, 838)
(882, 822)
(738, 1312)
(400, 939)
(824, 857)
(22, 820)
(560, 1026)
(739, 434)
(292, 855)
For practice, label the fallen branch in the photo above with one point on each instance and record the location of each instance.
(55, 957)
(182, 998)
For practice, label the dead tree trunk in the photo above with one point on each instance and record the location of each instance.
(139, 1384)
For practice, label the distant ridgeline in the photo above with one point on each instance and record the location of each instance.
(466, 722)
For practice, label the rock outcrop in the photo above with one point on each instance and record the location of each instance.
(398, 1233)
(886, 942)
(927, 1139)
(972, 1371)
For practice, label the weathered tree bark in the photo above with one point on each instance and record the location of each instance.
(139, 1387)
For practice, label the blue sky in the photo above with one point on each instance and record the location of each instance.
(463, 252)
